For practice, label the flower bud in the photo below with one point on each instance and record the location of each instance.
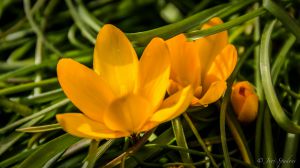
(244, 101)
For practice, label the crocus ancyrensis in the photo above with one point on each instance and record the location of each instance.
(121, 95)
(244, 101)
(205, 64)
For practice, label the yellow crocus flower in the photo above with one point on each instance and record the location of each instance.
(244, 101)
(205, 64)
(122, 95)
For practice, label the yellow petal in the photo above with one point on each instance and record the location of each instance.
(185, 64)
(154, 71)
(115, 60)
(84, 88)
(128, 114)
(79, 125)
(174, 105)
(211, 46)
(149, 125)
(222, 66)
(214, 92)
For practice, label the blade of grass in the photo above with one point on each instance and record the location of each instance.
(49, 150)
(290, 23)
(276, 110)
(35, 115)
(292, 141)
(37, 30)
(221, 27)
(92, 155)
(27, 86)
(42, 128)
(199, 139)
(180, 139)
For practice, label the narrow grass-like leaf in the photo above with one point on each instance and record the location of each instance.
(276, 110)
(290, 23)
(268, 140)
(239, 137)
(16, 158)
(292, 141)
(47, 151)
(92, 155)
(199, 139)
(180, 139)
(221, 27)
(37, 114)
(8, 141)
(281, 57)
(142, 38)
(27, 86)
(42, 128)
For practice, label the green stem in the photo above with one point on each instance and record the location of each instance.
(195, 152)
(268, 137)
(239, 137)
(130, 151)
(289, 91)
(102, 149)
(200, 140)
(259, 90)
(92, 155)
(180, 139)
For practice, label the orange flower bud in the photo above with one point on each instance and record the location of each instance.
(244, 101)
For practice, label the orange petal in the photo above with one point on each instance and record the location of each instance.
(154, 71)
(211, 46)
(79, 125)
(214, 92)
(128, 114)
(244, 101)
(174, 105)
(185, 64)
(222, 66)
(115, 60)
(249, 109)
(148, 126)
(84, 88)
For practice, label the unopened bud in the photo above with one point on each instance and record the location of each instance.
(244, 101)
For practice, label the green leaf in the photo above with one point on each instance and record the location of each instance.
(221, 27)
(180, 139)
(142, 38)
(42, 128)
(276, 110)
(290, 23)
(49, 150)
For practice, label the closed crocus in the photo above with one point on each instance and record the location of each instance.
(244, 101)
(122, 95)
(205, 64)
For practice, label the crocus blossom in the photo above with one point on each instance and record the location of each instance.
(205, 64)
(244, 101)
(122, 95)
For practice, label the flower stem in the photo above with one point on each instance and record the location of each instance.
(131, 150)
(181, 140)
(92, 155)
(200, 140)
